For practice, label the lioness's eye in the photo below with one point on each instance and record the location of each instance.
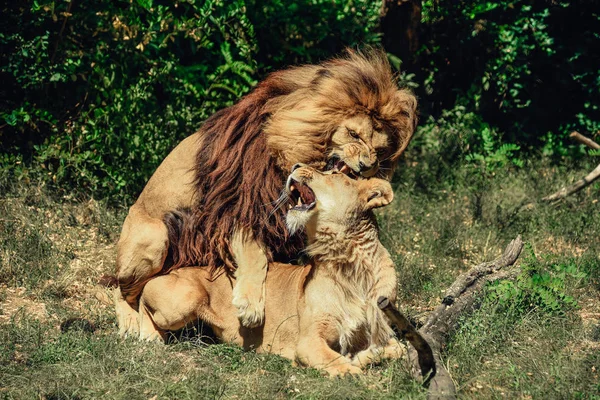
(353, 133)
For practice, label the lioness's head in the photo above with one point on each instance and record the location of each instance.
(325, 199)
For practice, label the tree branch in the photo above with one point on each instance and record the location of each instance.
(459, 300)
(584, 140)
(580, 184)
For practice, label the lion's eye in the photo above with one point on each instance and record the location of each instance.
(353, 133)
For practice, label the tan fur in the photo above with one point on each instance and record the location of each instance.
(230, 171)
(324, 315)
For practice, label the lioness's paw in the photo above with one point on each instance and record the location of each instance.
(343, 369)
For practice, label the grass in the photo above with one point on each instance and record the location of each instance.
(517, 344)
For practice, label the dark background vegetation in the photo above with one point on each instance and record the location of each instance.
(94, 94)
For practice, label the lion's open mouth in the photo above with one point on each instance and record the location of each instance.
(338, 165)
(301, 195)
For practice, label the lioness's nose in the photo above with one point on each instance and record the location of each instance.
(298, 165)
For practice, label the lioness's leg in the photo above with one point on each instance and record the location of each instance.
(313, 351)
(141, 252)
(170, 302)
(164, 306)
(251, 273)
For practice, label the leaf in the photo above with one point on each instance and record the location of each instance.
(147, 4)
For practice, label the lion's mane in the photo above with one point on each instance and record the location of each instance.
(248, 149)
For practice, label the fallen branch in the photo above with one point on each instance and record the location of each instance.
(459, 299)
(577, 186)
(585, 140)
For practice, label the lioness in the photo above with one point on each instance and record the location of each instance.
(322, 315)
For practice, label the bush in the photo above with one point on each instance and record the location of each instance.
(524, 66)
(100, 92)
(97, 93)
(537, 286)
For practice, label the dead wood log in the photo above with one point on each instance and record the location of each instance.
(585, 181)
(459, 299)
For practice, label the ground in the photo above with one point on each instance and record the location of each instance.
(537, 337)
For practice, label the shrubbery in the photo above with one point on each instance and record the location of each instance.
(95, 94)
(526, 67)
(98, 92)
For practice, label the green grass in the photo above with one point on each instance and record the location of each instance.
(517, 344)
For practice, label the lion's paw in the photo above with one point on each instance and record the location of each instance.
(128, 319)
(251, 309)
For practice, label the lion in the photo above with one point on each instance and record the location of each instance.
(322, 315)
(345, 114)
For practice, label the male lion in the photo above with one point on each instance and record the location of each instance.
(319, 314)
(344, 114)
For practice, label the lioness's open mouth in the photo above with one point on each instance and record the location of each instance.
(302, 196)
(338, 165)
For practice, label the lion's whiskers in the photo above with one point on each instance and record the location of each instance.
(283, 198)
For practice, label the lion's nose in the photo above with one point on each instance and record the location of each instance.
(368, 169)
(362, 167)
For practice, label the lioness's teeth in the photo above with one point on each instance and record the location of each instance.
(299, 201)
(345, 169)
(289, 206)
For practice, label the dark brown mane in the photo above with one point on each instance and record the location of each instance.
(247, 150)
(237, 183)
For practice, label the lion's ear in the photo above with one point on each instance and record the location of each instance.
(378, 193)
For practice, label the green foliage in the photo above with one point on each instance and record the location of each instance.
(95, 94)
(537, 286)
(494, 155)
(303, 31)
(524, 66)
(99, 103)
(98, 93)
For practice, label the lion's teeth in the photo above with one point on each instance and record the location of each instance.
(299, 201)
(289, 206)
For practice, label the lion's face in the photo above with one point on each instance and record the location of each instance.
(326, 199)
(359, 144)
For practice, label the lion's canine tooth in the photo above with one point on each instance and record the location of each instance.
(299, 201)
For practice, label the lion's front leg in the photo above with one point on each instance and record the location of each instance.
(251, 273)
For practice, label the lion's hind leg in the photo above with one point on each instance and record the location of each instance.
(141, 252)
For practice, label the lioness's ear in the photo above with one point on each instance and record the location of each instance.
(379, 193)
